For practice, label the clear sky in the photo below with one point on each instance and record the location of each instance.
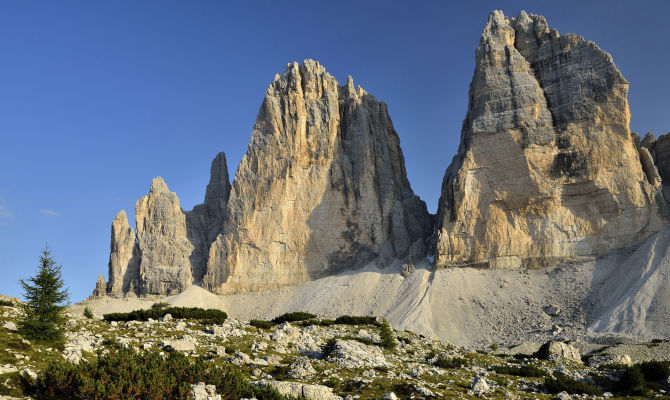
(99, 97)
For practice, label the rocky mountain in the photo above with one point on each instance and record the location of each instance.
(546, 169)
(322, 188)
(169, 251)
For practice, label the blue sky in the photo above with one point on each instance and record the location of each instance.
(97, 98)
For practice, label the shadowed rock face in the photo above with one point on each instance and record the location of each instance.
(321, 188)
(546, 169)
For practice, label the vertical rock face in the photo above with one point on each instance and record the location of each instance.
(546, 168)
(165, 267)
(171, 248)
(321, 188)
(123, 261)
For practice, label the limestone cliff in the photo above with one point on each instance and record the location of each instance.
(546, 169)
(169, 252)
(322, 187)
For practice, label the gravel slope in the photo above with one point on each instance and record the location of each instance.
(625, 294)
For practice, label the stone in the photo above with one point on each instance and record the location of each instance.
(552, 310)
(30, 374)
(301, 368)
(202, 391)
(10, 326)
(166, 318)
(480, 386)
(599, 360)
(322, 188)
(564, 396)
(390, 396)
(407, 269)
(553, 350)
(301, 390)
(354, 354)
(100, 287)
(186, 344)
(547, 169)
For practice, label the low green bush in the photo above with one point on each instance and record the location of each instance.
(211, 316)
(356, 320)
(562, 383)
(125, 374)
(259, 323)
(88, 313)
(6, 303)
(451, 362)
(293, 317)
(160, 305)
(527, 371)
(640, 379)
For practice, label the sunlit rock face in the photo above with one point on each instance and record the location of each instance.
(546, 169)
(169, 251)
(322, 188)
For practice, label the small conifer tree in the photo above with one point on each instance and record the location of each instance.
(46, 300)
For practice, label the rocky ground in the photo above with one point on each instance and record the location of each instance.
(329, 362)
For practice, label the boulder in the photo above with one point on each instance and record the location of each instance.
(10, 326)
(354, 354)
(186, 344)
(202, 391)
(480, 386)
(552, 350)
(301, 368)
(301, 390)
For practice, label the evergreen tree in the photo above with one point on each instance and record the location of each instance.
(46, 301)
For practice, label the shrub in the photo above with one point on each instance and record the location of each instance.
(326, 322)
(160, 305)
(46, 298)
(125, 374)
(655, 371)
(6, 303)
(640, 378)
(494, 346)
(210, 316)
(88, 313)
(387, 337)
(432, 353)
(356, 320)
(293, 316)
(259, 323)
(632, 382)
(528, 371)
(562, 383)
(452, 362)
